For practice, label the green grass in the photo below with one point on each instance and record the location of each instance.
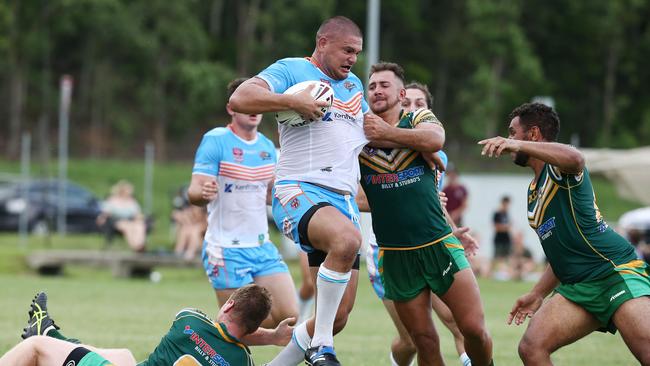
(100, 310)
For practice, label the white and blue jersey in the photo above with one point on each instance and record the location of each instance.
(318, 162)
(324, 152)
(237, 220)
(372, 253)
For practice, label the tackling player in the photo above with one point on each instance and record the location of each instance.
(193, 339)
(233, 176)
(596, 280)
(418, 254)
(417, 96)
(317, 177)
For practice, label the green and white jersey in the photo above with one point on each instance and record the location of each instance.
(578, 243)
(402, 192)
(195, 340)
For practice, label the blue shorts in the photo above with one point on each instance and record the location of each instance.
(293, 199)
(229, 268)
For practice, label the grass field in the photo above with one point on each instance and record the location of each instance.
(100, 310)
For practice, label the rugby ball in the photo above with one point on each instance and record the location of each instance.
(321, 91)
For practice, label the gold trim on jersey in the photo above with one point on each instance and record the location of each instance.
(227, 338)
(417, 247)
(549, 189)
(628, 268)
(575, 221)
(388, 163)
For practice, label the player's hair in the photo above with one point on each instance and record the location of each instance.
(540, 115)
(233, 85)
(424, 89)
(338, 25)
(505, 199)
(252, 304)
(388, 66)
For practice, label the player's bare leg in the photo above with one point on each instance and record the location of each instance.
(558, 322)
(415, 314)
(333, 233)
(48, 351)
(283, 295)
(464, 300)
(402, 348)
(633, 323)
(447, 318)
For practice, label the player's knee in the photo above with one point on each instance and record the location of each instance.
(425, 340)
(528, 350)
(342, 315)
(403, 345)
(345, 245)
(474, 332)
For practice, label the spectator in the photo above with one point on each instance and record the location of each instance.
(190, 222)
(502, 241)
(120, 211)
(456, 195)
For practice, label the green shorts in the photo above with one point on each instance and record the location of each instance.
(93, 359)
(602, 297)
(405, 272)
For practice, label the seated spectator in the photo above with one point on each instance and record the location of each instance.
(122, 212)
(190, 222)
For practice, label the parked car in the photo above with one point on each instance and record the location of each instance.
(40, 205)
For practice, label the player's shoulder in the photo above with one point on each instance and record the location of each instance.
(423, 115)
(193, 313)
(292, 62)
(217, 132)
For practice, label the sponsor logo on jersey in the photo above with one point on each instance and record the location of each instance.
(238, 154)
(349, 85)
(545, 229)
(326, 82)
(204, 349)
(265, 155)
(327, 169)
(394, 180)
(228, 187)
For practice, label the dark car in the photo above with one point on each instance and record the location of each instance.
(40, 202)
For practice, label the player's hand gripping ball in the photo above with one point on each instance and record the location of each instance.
(321, 92)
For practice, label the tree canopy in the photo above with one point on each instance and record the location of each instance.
(157, 70)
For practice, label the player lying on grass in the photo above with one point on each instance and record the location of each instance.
(193, 339)
(596, 279)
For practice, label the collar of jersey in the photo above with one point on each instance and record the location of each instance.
(252, 142)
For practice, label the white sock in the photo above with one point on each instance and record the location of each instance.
(330, 287)
(294, 352)
(392, 359)
(393, 362)
(464, 360)
(305, 308)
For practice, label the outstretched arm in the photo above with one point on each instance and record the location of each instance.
(565, 157)
(254, 96)
(528, 304)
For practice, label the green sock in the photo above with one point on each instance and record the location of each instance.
(54, 333)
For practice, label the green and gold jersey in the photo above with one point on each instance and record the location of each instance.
(578, 243)
(195, 340)
(402, 192)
